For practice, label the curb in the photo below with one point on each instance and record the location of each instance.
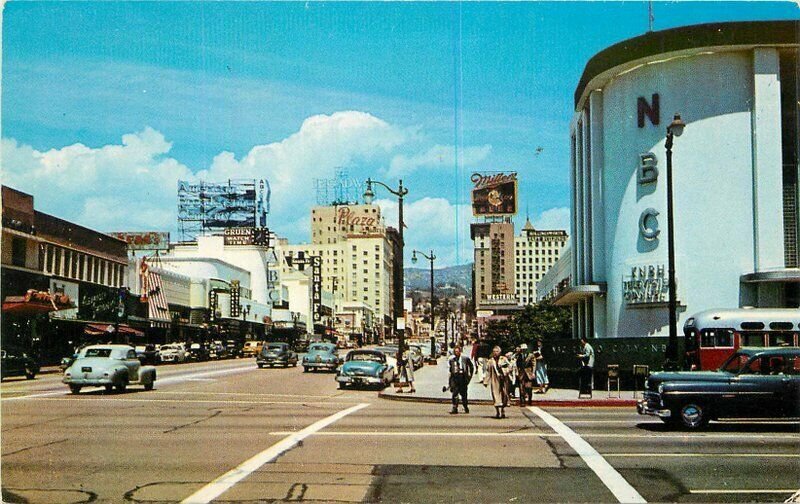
(572, 403)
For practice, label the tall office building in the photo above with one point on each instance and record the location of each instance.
(493, 262)
(535, 252)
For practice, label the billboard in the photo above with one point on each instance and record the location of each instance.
(215, 206)
(247, 236)
(143, 240)
(494, 194)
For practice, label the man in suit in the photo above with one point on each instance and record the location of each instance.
(461, 371)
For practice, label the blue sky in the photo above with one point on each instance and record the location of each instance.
(106, 105)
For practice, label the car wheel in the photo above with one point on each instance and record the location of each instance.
(109, 388)
(148, 386)
(29, 375)
(305, 369)
(121, 387)
(693, 415)
(260, 366)
(74, 388)
(341, 385)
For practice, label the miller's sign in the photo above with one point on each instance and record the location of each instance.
(646, 285)
(494, 194)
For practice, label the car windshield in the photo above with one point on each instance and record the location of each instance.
(371, 357)
(98, 352)
(318, 348)
(275, 347)
(735, 363)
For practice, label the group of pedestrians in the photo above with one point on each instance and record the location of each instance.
(502, 374)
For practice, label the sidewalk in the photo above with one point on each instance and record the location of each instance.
(430, 379)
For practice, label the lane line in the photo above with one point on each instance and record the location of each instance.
(257, 394)
(715, 455)
(613, 480)
(188, 401)
(744, 491)
(693, 437)
(220, 485)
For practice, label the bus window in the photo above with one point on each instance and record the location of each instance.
(780, 339)
(780, 326)
(753, 339)
(757, 326)
(691, 340)
(716, 338)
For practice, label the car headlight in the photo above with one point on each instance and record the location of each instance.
(660, 388)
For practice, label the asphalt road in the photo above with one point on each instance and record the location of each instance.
(231, 432)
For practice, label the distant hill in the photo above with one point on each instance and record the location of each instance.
(459, 278)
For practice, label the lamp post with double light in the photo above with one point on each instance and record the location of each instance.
(671, 358)
(430, 258)
(400, 192)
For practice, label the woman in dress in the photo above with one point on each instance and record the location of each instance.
(406, 370)
(496, 377)
(541, 369)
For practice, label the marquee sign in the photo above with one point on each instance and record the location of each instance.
(143, 240)
(494, 194)
(646, 285)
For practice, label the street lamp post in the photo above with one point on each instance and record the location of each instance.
(671, 362)
(400, 192)
(431, 258)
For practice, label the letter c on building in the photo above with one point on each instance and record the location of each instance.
(648, 224)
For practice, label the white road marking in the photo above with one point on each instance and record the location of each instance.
(621, 489)
(744, 491)
(188, 401)
(693, 437)
(256, 394)
(230, 478)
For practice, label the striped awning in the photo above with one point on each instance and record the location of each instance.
(153, 294)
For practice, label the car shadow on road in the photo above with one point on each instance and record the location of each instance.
(729, 426)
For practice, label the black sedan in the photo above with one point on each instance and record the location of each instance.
(17, 363)
(752, 383)
(276, 354)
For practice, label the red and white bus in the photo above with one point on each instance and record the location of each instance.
(714, 335)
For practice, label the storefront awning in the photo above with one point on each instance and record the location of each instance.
(576, 293)
(108, 329)
(36, 302)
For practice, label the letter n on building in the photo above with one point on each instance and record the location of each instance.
(652, 110)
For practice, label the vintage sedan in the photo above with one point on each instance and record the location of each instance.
(752, 383)
(252, 348)
(276, 354)
(173, 352)
(321, 356)
(109, 366)
(15, 362)
(365, 368)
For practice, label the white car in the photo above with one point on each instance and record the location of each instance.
(109, 366)
(173, 352)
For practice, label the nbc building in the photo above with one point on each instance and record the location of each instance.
(734, 171)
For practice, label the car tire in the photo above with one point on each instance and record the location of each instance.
(148, 386)
(693, 415)
(260, 366)
(75, 389)
(341, 386)
(109, 388)
(121, 387)
(305, 369)
(29, 375)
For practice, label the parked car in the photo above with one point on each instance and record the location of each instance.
(233, 349)
(109, 366)
(15, 362)
(276, 354)
(217, 351)
(172, 352)
(752, 383)
(321, 356)
(198, 352)
(148, 354)
(417, 356)
(252, 348)
(302, 344)
(365, 368)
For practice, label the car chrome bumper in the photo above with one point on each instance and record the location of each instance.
(358, 379)
(324, 365)
(643, 409)
(88, 382)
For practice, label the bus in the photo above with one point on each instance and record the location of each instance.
(714, 335)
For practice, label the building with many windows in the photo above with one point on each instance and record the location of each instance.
(535, 252)
(734, 169)
(493, 270)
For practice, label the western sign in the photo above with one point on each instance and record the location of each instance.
(494, 194)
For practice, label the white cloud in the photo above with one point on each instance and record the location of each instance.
(553, 218)
(431, 224)
(438, 156)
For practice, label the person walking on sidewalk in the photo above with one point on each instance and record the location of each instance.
(496, 378)
(406, 365)
(527, 374)
(541, 368)
(461, 371)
